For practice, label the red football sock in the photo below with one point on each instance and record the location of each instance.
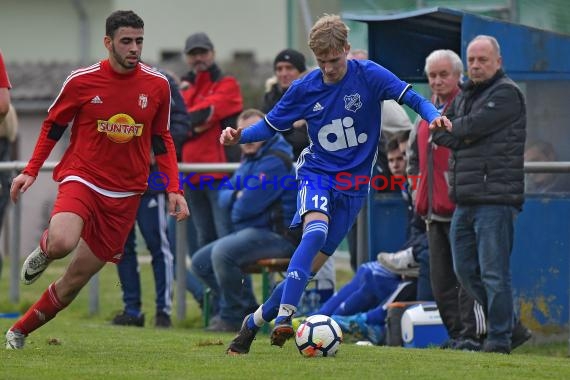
(44, 310)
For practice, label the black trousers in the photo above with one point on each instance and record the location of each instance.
(461, 315)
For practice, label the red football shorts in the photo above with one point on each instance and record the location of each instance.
(107, 221)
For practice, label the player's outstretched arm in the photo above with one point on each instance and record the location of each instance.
(19, 185)
(230, 136)
(441, 122)
(177, 206)
(259, 131)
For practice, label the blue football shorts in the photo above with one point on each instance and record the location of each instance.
(341, 209)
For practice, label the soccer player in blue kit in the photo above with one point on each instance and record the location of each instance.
(341, 103)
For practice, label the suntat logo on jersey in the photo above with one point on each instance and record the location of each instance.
(340, 135)
(120, 128)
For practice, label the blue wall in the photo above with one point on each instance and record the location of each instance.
(540, 262)
(387, 220)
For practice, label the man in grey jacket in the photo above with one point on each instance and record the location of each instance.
(487, 184)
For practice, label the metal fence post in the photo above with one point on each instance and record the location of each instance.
(15, 253)
(181, 249)
(94, 294)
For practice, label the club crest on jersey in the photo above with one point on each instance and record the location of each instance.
(143, 101)
(120, 128)
(352, 102)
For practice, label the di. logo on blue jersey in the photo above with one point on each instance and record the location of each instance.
(340, 134)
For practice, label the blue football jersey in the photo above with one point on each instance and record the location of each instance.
(343, 121)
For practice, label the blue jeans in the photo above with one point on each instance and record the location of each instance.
(481, 244)
(218, 265)
(152, 222)
(210, 220)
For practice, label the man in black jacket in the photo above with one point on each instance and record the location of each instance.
(487, 184)
(288, 65)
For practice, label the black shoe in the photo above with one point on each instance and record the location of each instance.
(282, 332)
(125, 319)
(496, 348)
(242, 342)
(520, 335)
(162, 320)
(468, 344)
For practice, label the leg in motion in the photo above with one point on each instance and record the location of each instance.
(314, 237)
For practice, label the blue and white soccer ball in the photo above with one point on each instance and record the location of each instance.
(318, 335)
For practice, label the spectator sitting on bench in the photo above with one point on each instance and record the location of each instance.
(360, 306)
(261, 196)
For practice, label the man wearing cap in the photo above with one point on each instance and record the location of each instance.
(213, 101)
(288, 66)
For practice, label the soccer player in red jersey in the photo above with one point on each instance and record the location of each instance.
(120, 109)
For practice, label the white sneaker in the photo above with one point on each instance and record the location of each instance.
(401, 262)
(15, 340)
(35, 264)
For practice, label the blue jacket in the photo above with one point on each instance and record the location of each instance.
(264, 179)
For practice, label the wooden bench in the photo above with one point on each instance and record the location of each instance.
(265, 267)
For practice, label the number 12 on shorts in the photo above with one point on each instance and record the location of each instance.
(323, 204)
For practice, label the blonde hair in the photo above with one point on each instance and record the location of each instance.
(329, 34)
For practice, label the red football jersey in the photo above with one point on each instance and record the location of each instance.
(115, 117)
(4, 81)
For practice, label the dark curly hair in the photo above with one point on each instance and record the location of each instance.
(120, 19)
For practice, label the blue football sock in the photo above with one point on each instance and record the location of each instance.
(251, 323)
(314, 237)
(271, 306)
